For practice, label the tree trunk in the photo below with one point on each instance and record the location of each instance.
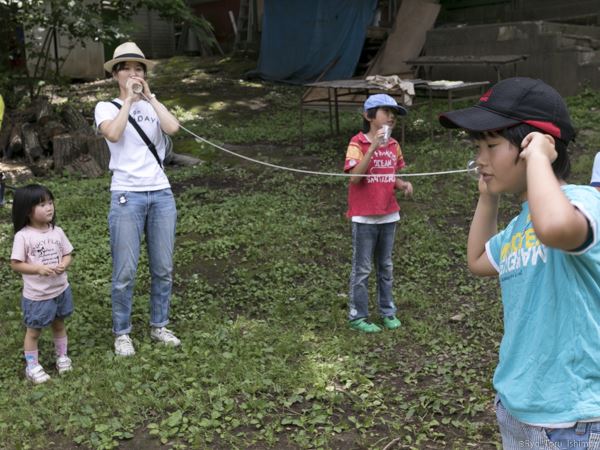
(86, 166)
(43, 111)
(31, 143)
(66, 148)
(5, 135)
(75, 120)
(98, 149)
(15, 142)
(28, 114)
(48, 131)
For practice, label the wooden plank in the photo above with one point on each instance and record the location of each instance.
(460, 4)
(406, 38)
(466, 59)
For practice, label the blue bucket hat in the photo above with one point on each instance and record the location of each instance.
(384, 100)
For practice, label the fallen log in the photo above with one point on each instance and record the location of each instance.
(15, 173)
(177, 159)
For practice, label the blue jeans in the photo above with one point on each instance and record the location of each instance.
(371, 241)
(131, 215)
(517, 435)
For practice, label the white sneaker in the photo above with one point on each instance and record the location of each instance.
(63, 364)
(165, 336)
(36, 374)
(124, 346)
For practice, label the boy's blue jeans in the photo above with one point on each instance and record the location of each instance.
(131, 215)
(517, 435)
(371, 242)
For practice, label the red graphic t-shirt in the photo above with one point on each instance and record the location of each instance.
(374, 195)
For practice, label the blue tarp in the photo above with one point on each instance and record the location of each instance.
(302, 38)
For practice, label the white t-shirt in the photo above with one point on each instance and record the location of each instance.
(377, 220)
(133, 166)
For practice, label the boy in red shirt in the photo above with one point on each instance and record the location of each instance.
(374, 210)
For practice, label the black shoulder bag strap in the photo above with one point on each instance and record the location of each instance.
(143, 135)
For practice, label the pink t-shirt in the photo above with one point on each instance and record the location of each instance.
(374, 195)
(45, 247)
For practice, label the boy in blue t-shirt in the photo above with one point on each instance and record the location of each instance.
(595, 181)
(548, 262)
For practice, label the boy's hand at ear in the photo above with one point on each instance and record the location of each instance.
(537, 143)
(483, 189)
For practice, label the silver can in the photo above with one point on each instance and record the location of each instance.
(473, 169)
(387, 132)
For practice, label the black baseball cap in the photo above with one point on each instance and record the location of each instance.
(512, 102)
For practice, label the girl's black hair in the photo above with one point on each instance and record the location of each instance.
(515, 135)
(25, 199)
(121, 65)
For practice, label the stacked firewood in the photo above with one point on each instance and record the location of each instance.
(60, 137)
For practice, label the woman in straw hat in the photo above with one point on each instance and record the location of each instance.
(141, 198)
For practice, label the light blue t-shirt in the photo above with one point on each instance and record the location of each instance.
(549, 364)
(595, 181)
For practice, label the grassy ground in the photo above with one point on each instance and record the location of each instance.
(262, 263)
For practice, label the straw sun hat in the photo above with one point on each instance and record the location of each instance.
(128, 51)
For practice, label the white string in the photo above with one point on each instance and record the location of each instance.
(200, 139)
(312, 172)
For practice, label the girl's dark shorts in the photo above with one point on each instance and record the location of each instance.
(41, 313)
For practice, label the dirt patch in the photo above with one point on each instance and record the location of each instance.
(282, 155)
(212, 270)
(141, 440)
(62, 442)
(212, 181)
(346, 440)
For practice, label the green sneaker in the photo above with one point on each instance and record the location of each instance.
(391, 323)
(364, 325)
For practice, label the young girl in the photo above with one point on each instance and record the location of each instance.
(374, 211)
(42, 253)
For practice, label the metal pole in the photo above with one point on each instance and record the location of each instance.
(301, 123)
